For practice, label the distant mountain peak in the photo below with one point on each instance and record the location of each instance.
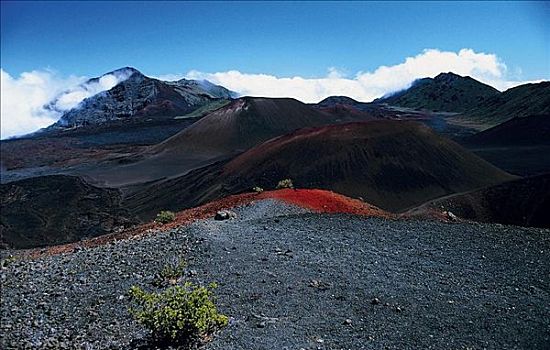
(132, 96)
(448, 76)
(124, 70)
(447, 92)
(344, 100)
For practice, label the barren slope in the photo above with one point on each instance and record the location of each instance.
(57, 209)
(242, 124)
(523, 202)
(393, 165)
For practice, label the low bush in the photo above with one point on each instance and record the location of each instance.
(7, 261)
(170, 273)
(286, 183)
(180, 314)
(257, 189)
(165, 217)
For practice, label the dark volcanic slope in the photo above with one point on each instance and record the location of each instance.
(391, 164)
(242, 124)
(533, 130)
(520, 145)
(338, 100)
(220, 135)
(139, 97)
(521, 101)
(524, 202)
(350, 113)
(57, 209)
(446, 92)
(348, 109)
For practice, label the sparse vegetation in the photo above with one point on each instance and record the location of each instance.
(180, 314)
(257, 189)
(204, 110)
(170, 273)
(286, 183)
(7, 261)
(165, 216)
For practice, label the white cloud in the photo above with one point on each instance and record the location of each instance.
(73, 96)
(170, 77)
(23, 98)
(366, 86)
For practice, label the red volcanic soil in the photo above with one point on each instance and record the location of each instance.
(316, 200)
(327, 202)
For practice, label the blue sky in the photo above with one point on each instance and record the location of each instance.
(280, 38)
(304, 50)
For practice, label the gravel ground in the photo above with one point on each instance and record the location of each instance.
(290, 279)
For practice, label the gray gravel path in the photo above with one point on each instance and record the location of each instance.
(290, 279)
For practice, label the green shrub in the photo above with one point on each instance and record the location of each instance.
(165, 216)
(257, 189)
(170, 273)
(7, 261)
(286, 183)
(178, 314)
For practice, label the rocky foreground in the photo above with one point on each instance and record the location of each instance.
(291, 279)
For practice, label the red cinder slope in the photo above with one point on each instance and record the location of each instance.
(316, 200)
(391, 164)
(326, 202)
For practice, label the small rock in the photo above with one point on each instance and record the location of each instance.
(261, 324)
(398, 309)
(319, 284)
(347, 322)
(450, 216)
(375, 301)
(225, 215)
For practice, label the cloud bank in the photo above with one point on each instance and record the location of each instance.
(38, 99)
(366, 86)
(24, 98)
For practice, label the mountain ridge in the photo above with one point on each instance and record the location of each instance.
(447, 92)
(517, 102)
(138, 97)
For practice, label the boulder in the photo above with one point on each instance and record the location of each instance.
(225, 215)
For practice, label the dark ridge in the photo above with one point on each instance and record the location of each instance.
(518, 102)
(57, 209)
(527, 131)
(522, 202)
